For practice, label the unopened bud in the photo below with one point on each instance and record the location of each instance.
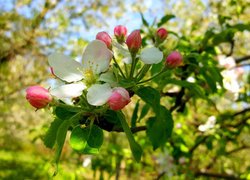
(119, 99)
(103, 36)
(174, 59)
(134, 41)
(161, 34)
(120, 33)
(38, 96)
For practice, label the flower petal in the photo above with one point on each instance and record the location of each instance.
(151, 55)
(65, 68)
(98, 94)
(68, 90)
(108, 77)
(96, 57)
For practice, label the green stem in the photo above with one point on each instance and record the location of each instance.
(134, 62)
(119, 67)
(134, 146)
(69, 107)
(162, 71)
(143, 71)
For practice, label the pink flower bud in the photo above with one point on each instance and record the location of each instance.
(134, 41)
(119, 98)
(103, 36)
(38, 96)
(174, 59)
(120, 33)
(161, 34)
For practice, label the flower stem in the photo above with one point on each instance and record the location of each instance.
(143, 71)
(134, 62)
(162, 71)
(119, 67)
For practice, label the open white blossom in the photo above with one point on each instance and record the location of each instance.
(95, 60)
(211, 121)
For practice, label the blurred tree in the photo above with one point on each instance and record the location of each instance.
(210, 136)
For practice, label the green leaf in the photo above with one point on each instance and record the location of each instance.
(63, 113)
(62, 132)
(135, 114)
(90, 150)
(150, 96)
(134, 146)
(95, 138)
(144, 111)
(194, 88)
(165, 19)
(144, 22)
(78, 138)
(159, 128)
(50, 137)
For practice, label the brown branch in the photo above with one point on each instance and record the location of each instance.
(133, 130)
(238, 149)
(191, 150)
(241, 112)
(245, 58)
(216, 175)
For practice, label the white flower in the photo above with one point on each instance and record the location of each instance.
(211, 121)
(149, 55)
(95, 60)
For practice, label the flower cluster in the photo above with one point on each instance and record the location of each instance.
(94, 80)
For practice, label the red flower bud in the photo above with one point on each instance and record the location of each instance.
(161, 34)
(103, 36)
(119, 99)
(38, 96)
(134, 41)
(174, 59)
(120, 33)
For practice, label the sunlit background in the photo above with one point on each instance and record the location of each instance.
(30, 30)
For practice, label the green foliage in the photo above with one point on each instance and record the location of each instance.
(159, 128)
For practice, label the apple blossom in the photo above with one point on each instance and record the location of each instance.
(134, 41)
(118, 99)
(120, 33)
(104, 36)
(174, 59)
(95, 60)
(38, 96)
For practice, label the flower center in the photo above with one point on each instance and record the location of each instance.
(90, 77)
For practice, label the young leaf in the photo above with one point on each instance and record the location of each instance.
(78, 138)
(95, 139)
(145, 23)
(144, 111)
(134, 146)
(165, 19)
(159, 128)
(61, 134)
(50, 137)
(63, 113)
(135, 114)
(150, 96)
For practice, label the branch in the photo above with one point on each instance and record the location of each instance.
(133, 130)
(191, 150)
(241, 112)
(238, 149)
(216, 175)
(245, 58)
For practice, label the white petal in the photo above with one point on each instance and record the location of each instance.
(68, 90)
(151, 55)
(97, 57)
(108, 77)
(65, 68)
(98, 94)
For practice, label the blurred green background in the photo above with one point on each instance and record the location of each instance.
(31, 30)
